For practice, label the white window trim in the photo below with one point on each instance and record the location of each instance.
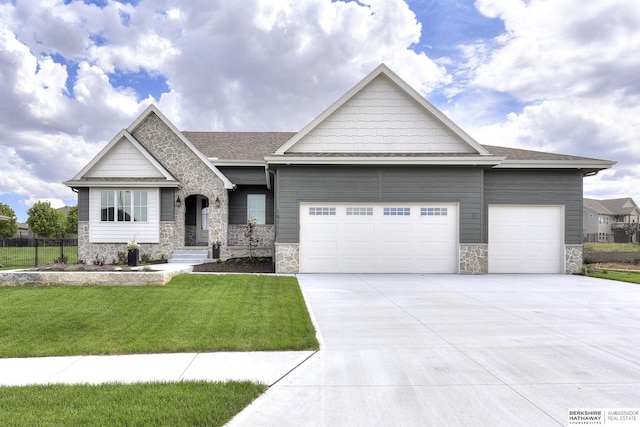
(259, 221)
(132, 214)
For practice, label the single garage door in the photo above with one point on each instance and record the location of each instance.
(526, 239)
(378, 238)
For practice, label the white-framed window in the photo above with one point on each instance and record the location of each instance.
(392, 211)
(257, 208)
(359, 211)
(322, 211)
(434, 212)
(123, 205)
(603, 220)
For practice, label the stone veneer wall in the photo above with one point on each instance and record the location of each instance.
(195, 177)
(287, 258)
(238, 243)
(573, 259)
(243, 252)
(90, 253)
(474, 258)
(262, 233)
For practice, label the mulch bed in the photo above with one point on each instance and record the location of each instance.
(237, 265)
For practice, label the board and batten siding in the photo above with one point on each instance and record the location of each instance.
(538, 187)
(124, 160)
(167, 204)
(123, 232)
(381, 118)
(408, 184)
(83, 204)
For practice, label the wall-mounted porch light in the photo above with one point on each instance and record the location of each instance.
(217, 203)
(178, 202)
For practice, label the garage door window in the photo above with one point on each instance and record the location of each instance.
(397, 211)
(433, 211)
(359, 211)
(314, 211)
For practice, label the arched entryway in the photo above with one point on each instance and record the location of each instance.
(196, 220)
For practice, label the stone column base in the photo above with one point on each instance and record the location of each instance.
(573, 259)
(474, 258)
(287, 258)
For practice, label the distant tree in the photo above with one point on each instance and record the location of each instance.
(72, 220)
(9, 227)
(47, 221)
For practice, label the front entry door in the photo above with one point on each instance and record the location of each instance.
(197, 220)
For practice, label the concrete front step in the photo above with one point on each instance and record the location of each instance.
(189, 256)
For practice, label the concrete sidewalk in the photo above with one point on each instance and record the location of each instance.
(263, 367)
(445, 350)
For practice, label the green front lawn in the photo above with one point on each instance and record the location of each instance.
(191, 313)
(612, 247)
(616, 275)
(157, 404)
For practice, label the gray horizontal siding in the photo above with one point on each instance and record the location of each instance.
(295, 184)
(538, 187)
(238, 203)
(240, 175)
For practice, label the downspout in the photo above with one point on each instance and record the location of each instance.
(268, 173)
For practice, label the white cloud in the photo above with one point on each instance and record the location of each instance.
(561, 48)
(571, 67)
(249, 65)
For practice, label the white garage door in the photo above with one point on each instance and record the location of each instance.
(377, 238)
(526, 239)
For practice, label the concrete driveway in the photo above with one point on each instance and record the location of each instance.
(446, 350)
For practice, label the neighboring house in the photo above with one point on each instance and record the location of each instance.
(381, 181)
(611, 220)
(21, 232)
(24, 232)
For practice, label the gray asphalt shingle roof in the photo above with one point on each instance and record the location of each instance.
(617, 206)
(255, 146)
(249, 146)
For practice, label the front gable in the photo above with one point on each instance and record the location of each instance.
(124, 159)
(127, 159)
(382, 114)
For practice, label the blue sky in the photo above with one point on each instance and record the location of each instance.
(545, 75)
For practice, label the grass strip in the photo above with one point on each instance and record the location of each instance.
(612, 247)
(614, 275)
(158, 404)
(192, 313)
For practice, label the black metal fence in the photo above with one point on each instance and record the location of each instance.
(32, 252)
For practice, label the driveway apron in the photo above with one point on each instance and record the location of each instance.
(494, 350)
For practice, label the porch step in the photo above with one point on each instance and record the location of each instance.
(189, 256)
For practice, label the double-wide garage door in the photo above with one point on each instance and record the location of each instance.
(378, 238)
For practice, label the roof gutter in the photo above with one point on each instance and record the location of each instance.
(123, 183)
(378, 160)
